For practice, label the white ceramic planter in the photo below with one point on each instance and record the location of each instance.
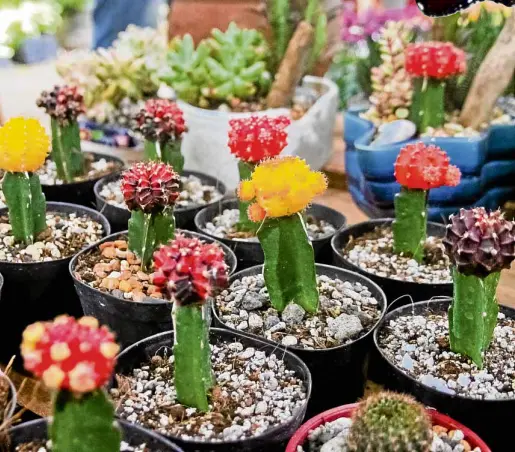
(311, 137)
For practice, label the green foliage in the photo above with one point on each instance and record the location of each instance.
(289, 272)
(66, 152)
(244, 224)
(343, 72)
(169, 152)
(26, 203)
(428, 103)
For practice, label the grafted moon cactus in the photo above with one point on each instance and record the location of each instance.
(75, 358)
(189, 271)
(418, 169)
(480, 244)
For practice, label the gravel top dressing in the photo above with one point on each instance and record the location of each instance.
(224, 226)
(254, 393)
(419, 346)
(373, 252)
(347, 311)
(194, 193)
(65, 236)
(46, 446)
(332, 437)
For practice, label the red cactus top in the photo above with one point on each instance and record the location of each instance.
(64, 103)
(150, 186)
(161, 120)
(424, 167)
(190, 270)
(256, 138)
(75, 355)
(438, 60)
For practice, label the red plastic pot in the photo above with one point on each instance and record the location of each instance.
(437, 418)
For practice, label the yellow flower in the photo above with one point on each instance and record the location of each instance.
(281, 187)
(474, 11)
(24, 145)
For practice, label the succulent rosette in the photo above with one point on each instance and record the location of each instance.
(418, 169)
(64, 103)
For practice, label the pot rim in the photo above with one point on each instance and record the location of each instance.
(100, 155)
(382, 279)
(109, 296)
(308, 382)
(221, 187)
(428, 303)
(12, 390)
(107, 232)
(437, 418)
(296, 348)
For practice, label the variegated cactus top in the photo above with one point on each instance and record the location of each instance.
(75, 355)
(438, 60)
(63, 103)
(161, 120)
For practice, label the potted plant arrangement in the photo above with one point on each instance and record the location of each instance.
(324, 314)
(381, 422)
(38, 238)
(75, 359)
(208, 397)
(253, 140)
(397, 253)
(114, 278)
(456, 354)
(162, 124)
(69, 174)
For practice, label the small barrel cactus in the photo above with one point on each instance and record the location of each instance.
(430, 64)
(388, 422)
(189, 271)
(150, 191)
(24, 146)
(252, 140)
(418, 169)
(64, 104)
(162, 124)
(280, 189)
(75, 358)
(480, 244)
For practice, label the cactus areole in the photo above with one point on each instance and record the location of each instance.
(64, 104)
(480, 244)
(430, 64)
(162, 124)
(189, 271)
(418, 168)
(279, 190)
(75, 358)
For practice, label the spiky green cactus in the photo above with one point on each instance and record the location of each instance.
(244, 223)
(389, 422)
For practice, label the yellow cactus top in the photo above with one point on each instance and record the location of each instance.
(280, 187)
(24, 145)
(473, 12)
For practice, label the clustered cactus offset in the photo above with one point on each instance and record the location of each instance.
(75, 358)
(189, 271)
(162, 124)
(480, 244)
(389, 422)
(150, 190)
(64, 104)
(418, 169)
(24, 146)
(280, 190)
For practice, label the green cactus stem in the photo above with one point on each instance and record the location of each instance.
(26, 203)
(282, 28)
(149, 230)
(289, 271)
(84, 423)
(320, 40)
(244, 224)
(410, 227)
(66, 152)
(473, 314)
(193, 375)
(168, 152)
(427, 107)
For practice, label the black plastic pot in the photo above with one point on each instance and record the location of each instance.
(1, 284)
(132, 434)
(131, 320)
(119, 217)
(79, 192)
(491, 419)
(273, 440)
(12, 398)
(250, 253)
(339, 373)
(39, 290)
(393, 288)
